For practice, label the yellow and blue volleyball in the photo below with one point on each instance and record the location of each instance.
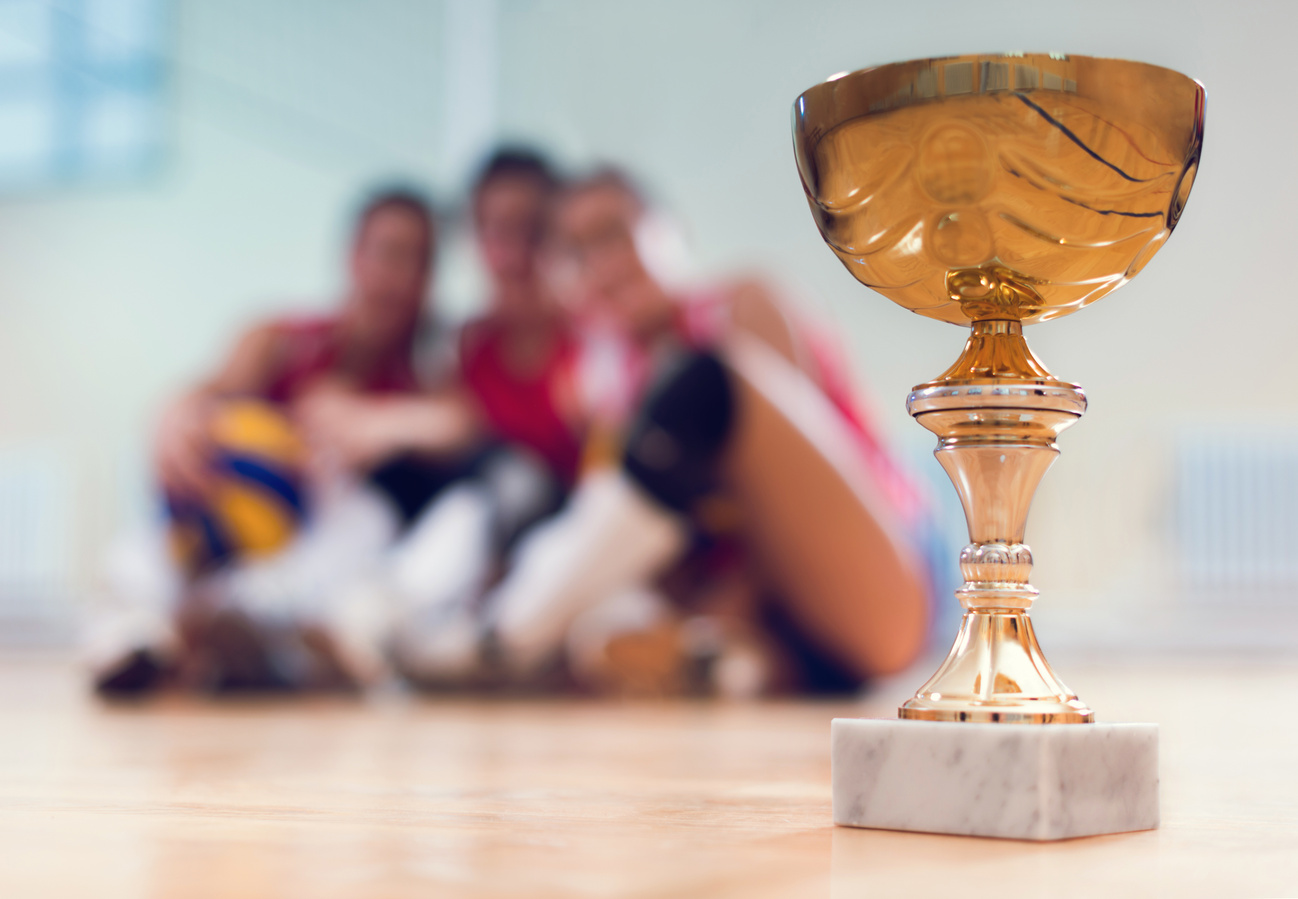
(256, 502)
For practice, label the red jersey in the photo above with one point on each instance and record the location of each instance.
(523, 408)
(310, 348)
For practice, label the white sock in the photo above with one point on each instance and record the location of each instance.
(350, 529)
(436, 574)
(134, 610)
(610, 537)
(447, 552)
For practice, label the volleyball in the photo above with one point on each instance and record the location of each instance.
(256, 501)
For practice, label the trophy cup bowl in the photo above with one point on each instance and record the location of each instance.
(999, 188)
(994, 191)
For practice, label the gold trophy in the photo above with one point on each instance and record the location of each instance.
(994, 191)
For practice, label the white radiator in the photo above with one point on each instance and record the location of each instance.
(35, 561)
(1236, 507)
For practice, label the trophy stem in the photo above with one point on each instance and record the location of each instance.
(996, 413)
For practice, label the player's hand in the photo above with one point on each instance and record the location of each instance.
(349, 429)
(182, 447)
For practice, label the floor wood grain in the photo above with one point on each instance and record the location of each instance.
(407, 797)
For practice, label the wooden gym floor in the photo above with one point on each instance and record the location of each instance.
(408, 797)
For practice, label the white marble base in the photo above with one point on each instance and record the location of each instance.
(1021, 781)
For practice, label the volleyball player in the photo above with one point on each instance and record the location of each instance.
(516, 363)
(348, 381)
(725, 401)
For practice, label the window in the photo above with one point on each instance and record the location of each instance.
(81, 91)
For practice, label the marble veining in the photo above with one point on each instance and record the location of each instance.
(1021, 781)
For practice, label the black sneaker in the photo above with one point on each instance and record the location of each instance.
(137, 674)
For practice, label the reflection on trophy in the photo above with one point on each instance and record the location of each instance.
(997, 191)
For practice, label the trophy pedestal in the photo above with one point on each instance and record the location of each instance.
(1017, 781)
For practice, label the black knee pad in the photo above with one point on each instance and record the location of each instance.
(675, 445)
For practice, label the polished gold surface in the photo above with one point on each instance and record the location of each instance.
(996, 439)
(999, 186)
(996, 349)
(996, 673)
(487, 799)
(998, 190)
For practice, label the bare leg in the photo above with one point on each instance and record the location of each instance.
(827, 537)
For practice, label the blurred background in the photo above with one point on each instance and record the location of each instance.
(170, 169)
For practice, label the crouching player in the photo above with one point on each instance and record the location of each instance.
(748, 534)
(283, 476)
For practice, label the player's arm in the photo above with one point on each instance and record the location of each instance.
(434, 424)
(363, 431)
(181, 444)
